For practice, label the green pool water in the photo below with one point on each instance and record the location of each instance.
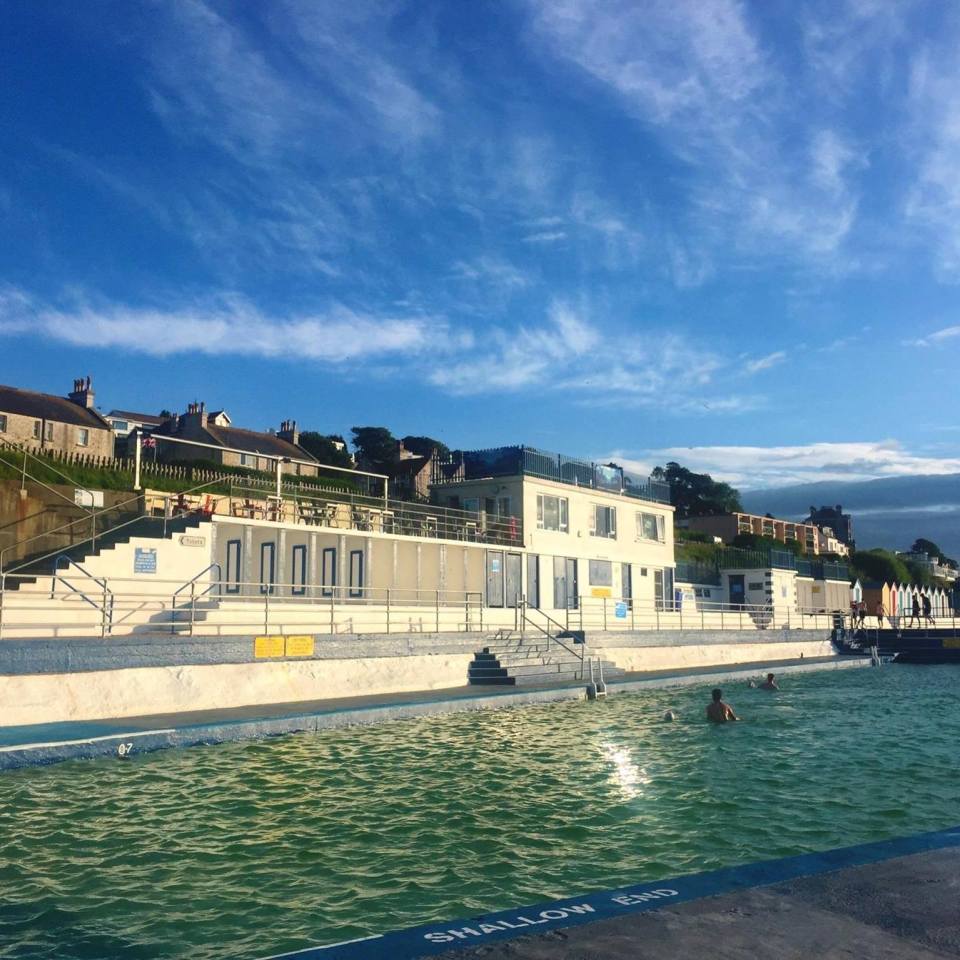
(243, 850)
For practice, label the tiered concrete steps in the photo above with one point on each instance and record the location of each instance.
(519, 662)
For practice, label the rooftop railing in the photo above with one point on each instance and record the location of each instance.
(735, 558)
(341, 510)
(533, 462)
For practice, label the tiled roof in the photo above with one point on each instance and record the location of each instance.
(137, 417)
(408, 465)
(251, 441)
(45, 406)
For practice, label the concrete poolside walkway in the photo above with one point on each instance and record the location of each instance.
(53, 742)
(902, 909)
(890, 900)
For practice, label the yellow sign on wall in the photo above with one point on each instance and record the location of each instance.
(952, 643)
(264, 647)
(300, 646)
(601, 592)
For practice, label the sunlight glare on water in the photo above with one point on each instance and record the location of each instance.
(247, 849)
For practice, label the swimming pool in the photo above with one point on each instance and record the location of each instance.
(246, 849)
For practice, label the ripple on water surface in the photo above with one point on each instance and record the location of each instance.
(246, 849)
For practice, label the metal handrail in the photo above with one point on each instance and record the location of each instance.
(526, 618)
(105, 608)
(93, 538)
(28, 453)
(403, 517)
(33, 479)
(62, 528)
(191, 583)
(213, 583)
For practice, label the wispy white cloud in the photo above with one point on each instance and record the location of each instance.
(516, 359)
(569, 353)
(838, 344)
(545, 236)
(932, 339)
(231, 326)
(697, 72)
(765, 363)
(493, 271)
(755, 467)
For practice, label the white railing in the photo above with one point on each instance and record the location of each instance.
(214, 607)
(207, 605)
(626, 613)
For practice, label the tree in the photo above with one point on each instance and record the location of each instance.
(697, 494)
(922, 545)
(325, 449)
(880, 566)
(424, 446)
(376, 448)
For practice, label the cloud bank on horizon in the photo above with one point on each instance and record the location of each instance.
(752, 468)
(725, 229)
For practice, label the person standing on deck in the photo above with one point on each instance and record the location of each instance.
(879, 614)
(927, 611)
(914, 611)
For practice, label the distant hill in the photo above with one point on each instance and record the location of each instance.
(890, 513)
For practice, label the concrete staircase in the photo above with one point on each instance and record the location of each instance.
(28, 571)
(514, 660)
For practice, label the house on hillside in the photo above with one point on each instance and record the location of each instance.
(125, 423)
(411, 474)
(59, 425)
(728, 526)
(232, 446)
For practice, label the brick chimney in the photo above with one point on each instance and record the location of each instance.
(196, 415)
(288, 431)
(82, 393)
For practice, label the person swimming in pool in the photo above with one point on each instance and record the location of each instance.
(770, 683)
(718, 711)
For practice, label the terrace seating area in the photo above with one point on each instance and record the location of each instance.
(337, 510)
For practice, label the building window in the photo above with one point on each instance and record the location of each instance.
(3, 423)
(328, 571)
(471, 504)
(37, 428)
(233, 566)
(496, 506)
(83, 437)
(356, 573)
(267, 567)
(552, 513)
(299, 571)
(650, 526)
(604, 522)
(601, 573)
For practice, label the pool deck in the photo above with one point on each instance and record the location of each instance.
(50, 743)
(891, 900)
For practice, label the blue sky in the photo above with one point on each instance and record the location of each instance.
(725, 233)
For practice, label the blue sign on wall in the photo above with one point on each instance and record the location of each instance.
(145, 560)
(620, 611)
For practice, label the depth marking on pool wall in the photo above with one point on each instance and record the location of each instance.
(435, 938)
